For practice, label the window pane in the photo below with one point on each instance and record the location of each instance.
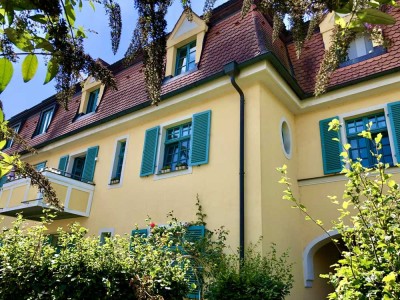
(361, 147)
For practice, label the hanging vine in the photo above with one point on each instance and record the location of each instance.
(149, 40)
(352, 17)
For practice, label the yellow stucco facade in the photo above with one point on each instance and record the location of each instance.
(123, 205)
(280, 128)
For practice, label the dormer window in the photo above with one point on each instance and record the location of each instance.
(92, 103)
(362, 48)
(10, 141)
(184, 45)
(44, 121)
(92, 92)
(186, 58)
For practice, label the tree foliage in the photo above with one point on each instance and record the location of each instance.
(352, 17)
(369, 225)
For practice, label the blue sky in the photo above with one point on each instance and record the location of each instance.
(19, 96)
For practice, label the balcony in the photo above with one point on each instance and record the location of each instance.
(19, 196)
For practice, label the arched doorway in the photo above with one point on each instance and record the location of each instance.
(318, 256)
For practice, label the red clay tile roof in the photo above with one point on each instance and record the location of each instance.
(306, 68)
(229, 38)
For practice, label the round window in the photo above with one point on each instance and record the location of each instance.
(286, 138)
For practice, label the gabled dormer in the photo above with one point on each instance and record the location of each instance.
(362, 48)
(184, 45)
(92, 93)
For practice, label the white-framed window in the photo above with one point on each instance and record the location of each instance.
(44, 121)
(105, 233)
(118, 162)
(361, 49)
(171, 148)
(286, 138)
(363, 148)
(79, 165)
(384, 119)
(16, 128)
(174, 148)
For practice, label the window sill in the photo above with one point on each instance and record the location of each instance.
(115, 185)
(83, 116)
(174, 173)
(175, 77)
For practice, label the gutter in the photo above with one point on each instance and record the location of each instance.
(231, 69)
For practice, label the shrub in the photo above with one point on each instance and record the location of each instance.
(78, 267)
(256, 277)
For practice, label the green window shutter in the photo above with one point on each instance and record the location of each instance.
(330, 149)
(200, 141)
(137, 233)
(194, 233)
(149, 151)
(90, 164)
(62, 164)
(394, 116)
(3, 180)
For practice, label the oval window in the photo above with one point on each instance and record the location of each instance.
(286, 138)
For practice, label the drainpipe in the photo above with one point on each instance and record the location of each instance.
(231, 69)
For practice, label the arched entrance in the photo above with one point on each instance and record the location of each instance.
(318, 256)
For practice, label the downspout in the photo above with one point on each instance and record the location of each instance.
(231, 69)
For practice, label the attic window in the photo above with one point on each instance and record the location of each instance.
(185, 45)
(10, 141)
(44, 121)
(361, 49)
(186, 58)
(92, 102)
(92, 93)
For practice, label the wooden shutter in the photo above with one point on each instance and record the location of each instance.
(3, 180)
(62, 164)
(90, 164)
(193, 234)
(137, 233)
(200, 140)
(330, 149)
(394, 116)
(149, 151)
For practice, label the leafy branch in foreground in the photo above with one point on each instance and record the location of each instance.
(369, 225)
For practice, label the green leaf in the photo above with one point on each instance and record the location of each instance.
(42, 19)
(52, 70)
(70, 12)
(375, 16)
(6, 73)
(44, 44)
(29, 67)
(2, 143)
(92, 5)
(80, 32)
(20, 40)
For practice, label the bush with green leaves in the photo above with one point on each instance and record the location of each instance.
(256, 277)
(166, 265)
(78, 267)
(369, 225)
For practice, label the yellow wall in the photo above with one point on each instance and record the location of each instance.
(78, 200)
(217, 183)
